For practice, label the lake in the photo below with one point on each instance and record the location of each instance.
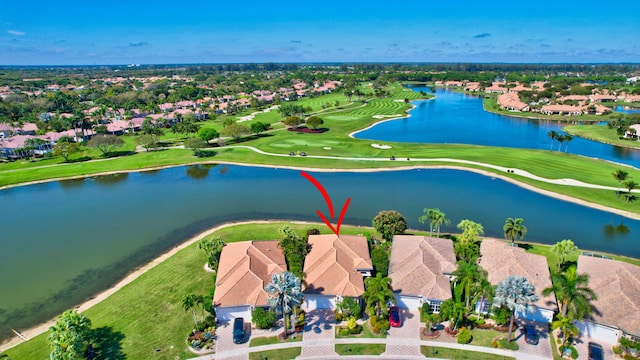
(93, 231)
(455, 118)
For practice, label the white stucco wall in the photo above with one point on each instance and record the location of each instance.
(228, 313)
(314, 301)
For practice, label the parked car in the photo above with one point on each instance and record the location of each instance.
(531, 335)
(238, 330)
(395, 318)
(595, 352)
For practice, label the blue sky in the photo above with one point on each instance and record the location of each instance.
(152, 32)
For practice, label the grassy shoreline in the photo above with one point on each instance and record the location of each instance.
(165, 280)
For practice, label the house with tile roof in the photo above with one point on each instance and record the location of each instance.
(420, 269)
(244, 270)
(335, 267)
(511, 101)
(500, 260)
(617, 286)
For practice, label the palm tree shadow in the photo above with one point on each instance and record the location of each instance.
(107, 343)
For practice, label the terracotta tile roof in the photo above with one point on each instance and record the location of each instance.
(511, 101)
(419, 266)
(617, 285)
(331, 265)
(244, 270)
(500, 259)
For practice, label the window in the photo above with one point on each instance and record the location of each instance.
(434, 305)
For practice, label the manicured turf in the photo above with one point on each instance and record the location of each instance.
(360, 349)
(445, 353)
(283, 354)
(602, 134)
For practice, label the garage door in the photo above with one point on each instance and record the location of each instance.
(537, 315)
(324, 302)
(599, 332)
(408, 302)
(227, 314)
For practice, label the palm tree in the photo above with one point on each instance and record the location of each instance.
(468, 274)
(377, 293)
(515, 293)
(436, 218)
(553, 135)
(484, 290)
(68, 337)
(567, 138)
(284, 289)
(630, 185)
(573, 294)
(565, 324)
(513, 229)
(189, 303)
(620, 176)
(561, 138)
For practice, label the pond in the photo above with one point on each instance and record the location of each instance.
(65, 241)
(455, 118)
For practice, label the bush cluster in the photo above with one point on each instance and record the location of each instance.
(464, 336)
(379, 325)
(263, 319)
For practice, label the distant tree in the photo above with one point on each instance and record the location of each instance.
(65, 149)
(105, 143)
(314, 122)
(212, 247)
(436, 219)
(563, 249)
(561, 138)
(389, 223)
(195, 144)
(147, 141)
(630, 185)
(513, 228)
(552, 135)
(69, 336)
(208, 134)
(620, 176)
(259, 127)
(236, 131)
(470, 231)
(292, 121)
(228, 121)
(567, 138)
(515, 293)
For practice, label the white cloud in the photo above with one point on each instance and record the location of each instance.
(16, 33)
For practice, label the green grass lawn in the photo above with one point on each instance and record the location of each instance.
(484, 337)
(452, 354)
(283, 354)
(360, 349)
(259, 341)
(601, 134)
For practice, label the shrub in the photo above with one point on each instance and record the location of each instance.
(617, 350)
(464, 336)
(574, 352)
(263, 319)
(339, 317)
(501, 315)
(502, 343)
(342, 331)
(356, 330)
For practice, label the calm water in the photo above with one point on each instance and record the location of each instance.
(627, 110)
(456, 118)
(91, 232)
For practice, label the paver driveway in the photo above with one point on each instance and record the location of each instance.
(226, 349)
(405, 340)
(318, 339)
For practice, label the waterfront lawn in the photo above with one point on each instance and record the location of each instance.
(360, 349)
(601, 134)
(147, 313)
(453, 354)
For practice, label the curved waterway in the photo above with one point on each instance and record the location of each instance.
(65, 241)
(455, 118)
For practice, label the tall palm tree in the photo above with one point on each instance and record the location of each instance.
(189, 303)
(513, 228)
(565, 324)
(284, 290)
(69, 336)
(567, 138)
(468, 275)
(436, 219)
(378, 293)
(630, 185)
(552, 135)
(484, 290)
(515, 293)
(620, 176)
(573, 294)
(561, 138)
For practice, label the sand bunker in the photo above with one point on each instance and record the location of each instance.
(380, 146)
(386, 116)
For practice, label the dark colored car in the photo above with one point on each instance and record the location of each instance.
(238, 330)
(395, 319)
(595, 352)
(531, 335)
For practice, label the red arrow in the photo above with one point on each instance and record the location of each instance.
(327, 199)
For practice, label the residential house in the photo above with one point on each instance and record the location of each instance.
(633, 132)
(335, 267)
(244, 270)
(420, 269)
(500, 260)
(617, 286)
(511, 101)
(472, 86)
(602, 98)
(497, 87)
(561, 110)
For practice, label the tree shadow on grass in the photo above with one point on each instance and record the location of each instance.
(113, 154)
(107, 343)
(80, 159)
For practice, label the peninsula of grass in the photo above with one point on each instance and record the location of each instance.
(601, 134)
(335, 150)
(490, 104)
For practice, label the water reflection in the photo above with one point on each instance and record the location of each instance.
(198, 171)
(111, 179)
